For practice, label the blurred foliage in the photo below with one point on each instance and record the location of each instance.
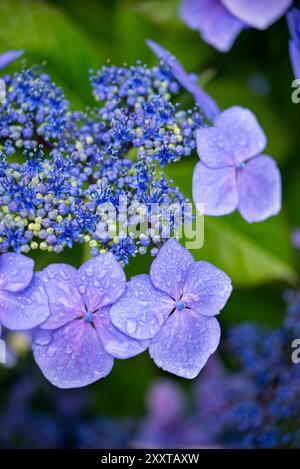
(72, 36)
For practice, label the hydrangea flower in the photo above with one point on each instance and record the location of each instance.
(220, 21)
(232, 173)
(10, 56)
(77, 344)
(269, 416)
(293, 19)
(76, 165)
(174, 308)
(206, 102)
(23, 300)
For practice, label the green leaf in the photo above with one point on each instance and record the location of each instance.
(45, 33)
(159, 12)
(264, 304)
(250, 254)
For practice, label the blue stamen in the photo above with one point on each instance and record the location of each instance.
(88, 317)
(180, 305)
(240, 166)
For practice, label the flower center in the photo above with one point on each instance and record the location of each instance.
(180, 305)
(88, 317)
(240, 166)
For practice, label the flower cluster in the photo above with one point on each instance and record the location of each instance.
(63, 173)
(220, 21)
(268, 416)
(93, 177)
(256, 406)
(88, 317)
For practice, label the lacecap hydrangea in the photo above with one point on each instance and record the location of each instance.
(62, 172)
(72, 177)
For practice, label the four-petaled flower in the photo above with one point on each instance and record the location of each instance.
(293, 19)
(75, 346)
(220, 21)
(23, 300)
(174, 308)
(232, 173)
(206, 102)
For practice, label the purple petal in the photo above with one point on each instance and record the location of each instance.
(259, 185)
(213, 148)
(216, 189)
(194, 12)
(216, 25)
(245, 136)
(9, 56)
(185, 342)
(295, 58)
(259, 14)
(16, 272)
(206, 103)
(169, 269)
(25, 309)
(142, 309)
(101, 281)
(72, 356)
(116, 343)
(64, 298)
(206, 289)
(293, 20)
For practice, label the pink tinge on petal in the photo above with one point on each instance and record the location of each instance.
(259, 14)
(72, 356)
